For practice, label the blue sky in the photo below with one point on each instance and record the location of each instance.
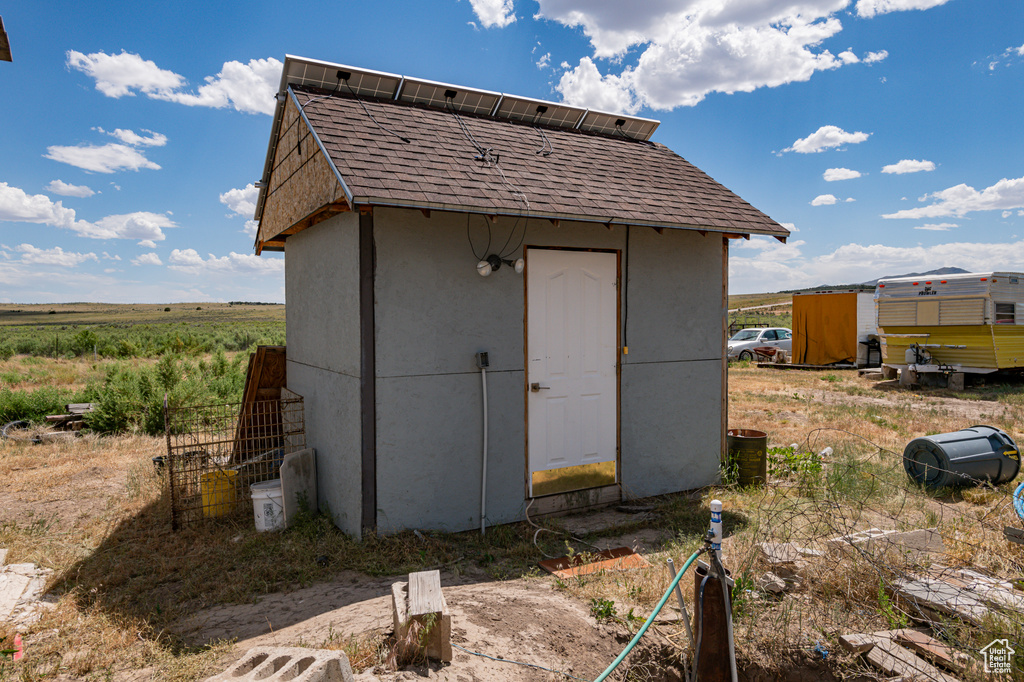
(885, 133)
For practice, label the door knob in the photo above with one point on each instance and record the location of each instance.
(537, 387)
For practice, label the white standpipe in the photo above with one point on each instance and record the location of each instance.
(483, 471)
(716, 527)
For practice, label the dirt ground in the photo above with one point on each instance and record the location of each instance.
(66, 486)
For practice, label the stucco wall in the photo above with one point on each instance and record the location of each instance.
(672, 376)
(434, 313)
(322, 318)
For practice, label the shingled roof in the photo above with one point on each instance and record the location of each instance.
(584, 176)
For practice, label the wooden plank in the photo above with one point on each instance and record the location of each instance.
(942, 597)
(80, 408)
(930, 648)
(892, 659)
(425, 593)
(858, 643)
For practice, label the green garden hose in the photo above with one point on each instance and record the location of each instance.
(650, 619)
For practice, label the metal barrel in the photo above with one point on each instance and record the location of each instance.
(748, 452)
(962, 458)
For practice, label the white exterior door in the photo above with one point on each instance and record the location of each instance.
(572, 355)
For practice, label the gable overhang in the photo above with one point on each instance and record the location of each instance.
(365, 202)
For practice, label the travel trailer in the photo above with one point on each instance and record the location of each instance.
(951, 324)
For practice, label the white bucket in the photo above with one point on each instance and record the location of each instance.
(268, 505)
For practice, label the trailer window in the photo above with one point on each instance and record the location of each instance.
(1005, 313)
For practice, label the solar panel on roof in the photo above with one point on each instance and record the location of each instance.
(539, 112)
(433, 94)
(613, 124)
(363, 82)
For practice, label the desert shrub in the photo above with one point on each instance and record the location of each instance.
(132, 398)
(34, 405)
(6, 351)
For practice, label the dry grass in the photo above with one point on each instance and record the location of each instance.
(95, 511)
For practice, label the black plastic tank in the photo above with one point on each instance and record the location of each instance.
(962, 458)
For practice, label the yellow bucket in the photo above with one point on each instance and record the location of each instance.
(218, 489)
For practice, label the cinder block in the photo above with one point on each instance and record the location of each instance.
(294, 664)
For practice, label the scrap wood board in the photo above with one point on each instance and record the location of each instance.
(618, 559)
(887, 655)
(942, 597)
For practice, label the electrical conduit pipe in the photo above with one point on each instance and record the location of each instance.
(650, 619)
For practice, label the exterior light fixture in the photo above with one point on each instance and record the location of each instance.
(493, 262)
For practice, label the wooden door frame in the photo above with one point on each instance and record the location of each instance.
(573, 500)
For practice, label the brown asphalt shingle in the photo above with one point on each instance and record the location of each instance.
(587, 176)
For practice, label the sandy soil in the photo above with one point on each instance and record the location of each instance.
(510, 619)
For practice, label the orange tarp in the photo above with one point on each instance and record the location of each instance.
(824, 328)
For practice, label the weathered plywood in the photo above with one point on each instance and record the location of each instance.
(425, 593)
(301, 183)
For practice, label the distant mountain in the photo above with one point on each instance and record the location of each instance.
(864, 286)
(940, 271)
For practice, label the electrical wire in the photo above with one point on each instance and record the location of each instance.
(376, 122)
(551, 530)
(487, 155)
(468, 237)
(528, 665)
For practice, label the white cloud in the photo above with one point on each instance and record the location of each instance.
(937, 227)
(824, 200)
(869, 8)
(695, 47)
(492, 13)
(872, 57)
(250, 228)
(789, 226)
(241, 201)
(585, 86)
(69, 190)
(545, 61)
(245, 87)
(249, 88)
(107, 256)
(834, 174)
(16, 205)
(849, 57)
(189, 260)
(117, 75)
(147, 259)
(854, 263)
(849, 200)
(826, 137)
(134, 139)
(147, 244)
(908, 166)
(1007, 214)
(106, 158)
(140, 225)
(963, 199)
(54, 256)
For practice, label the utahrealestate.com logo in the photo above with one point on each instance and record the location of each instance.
(998, 656)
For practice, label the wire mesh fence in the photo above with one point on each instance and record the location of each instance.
(216, 452)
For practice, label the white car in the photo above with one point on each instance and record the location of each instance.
(741, 346)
